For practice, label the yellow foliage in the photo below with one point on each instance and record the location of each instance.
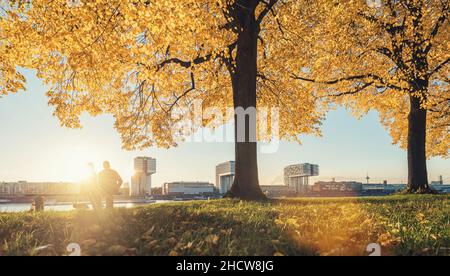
(147, 62)
(370, 57)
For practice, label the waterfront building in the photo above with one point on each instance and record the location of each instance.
(225, 176)
(297, 176)
(24, 188)
(141, 181)
(335, 187)
(188, 188)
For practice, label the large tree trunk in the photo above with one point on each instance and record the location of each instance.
(246, 183)
(417, 158)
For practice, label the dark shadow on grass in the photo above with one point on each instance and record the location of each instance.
(227, 228)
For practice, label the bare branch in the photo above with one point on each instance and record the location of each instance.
(184, 94)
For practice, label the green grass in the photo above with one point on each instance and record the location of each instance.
(403, 225)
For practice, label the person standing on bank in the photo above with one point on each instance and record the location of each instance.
(109, 182)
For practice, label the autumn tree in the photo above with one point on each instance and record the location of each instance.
(11, 80)
(149, 62)
(391, 56)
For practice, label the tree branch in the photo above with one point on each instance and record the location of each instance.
(439, 67)
(440, 22)
(184, 94)
(371, 77)
(196, 61)
(353, 92)
(269, 8)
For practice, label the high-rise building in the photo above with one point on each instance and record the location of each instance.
(297, 176)
(225, 176)
(141, 181)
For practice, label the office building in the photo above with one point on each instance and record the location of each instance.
(225, 176)
(24, 188)
(333, 186)
(141, 181)
(188, 188)
(297, 176)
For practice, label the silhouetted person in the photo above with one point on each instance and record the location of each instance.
(91, 189)
(109, 182)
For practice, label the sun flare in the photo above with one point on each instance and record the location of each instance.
(77, 162)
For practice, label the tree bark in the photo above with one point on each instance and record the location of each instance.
(246, 183)
(417, 158)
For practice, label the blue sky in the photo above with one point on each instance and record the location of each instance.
(34, 147)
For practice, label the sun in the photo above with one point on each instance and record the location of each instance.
(77, 162)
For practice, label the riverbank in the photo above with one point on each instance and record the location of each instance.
(64, 199)
(402, 225)
(69, 206)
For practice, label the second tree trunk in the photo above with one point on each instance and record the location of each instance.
(417, 158)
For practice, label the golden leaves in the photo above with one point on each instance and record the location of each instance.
(11, 81)
(389, 43)
(107, 56)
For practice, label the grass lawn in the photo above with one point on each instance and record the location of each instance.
(403, 225)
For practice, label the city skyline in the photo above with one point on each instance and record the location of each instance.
(43, 151)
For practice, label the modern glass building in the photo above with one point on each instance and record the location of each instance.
(297, 176)
(225, 176)
(141, 181)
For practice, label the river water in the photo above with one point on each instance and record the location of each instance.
(60, 207)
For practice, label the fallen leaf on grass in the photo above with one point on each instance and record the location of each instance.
(212, 239)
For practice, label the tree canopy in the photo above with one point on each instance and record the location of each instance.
(146, 62)
(369, 57)
(11, 81)
(149, 63)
